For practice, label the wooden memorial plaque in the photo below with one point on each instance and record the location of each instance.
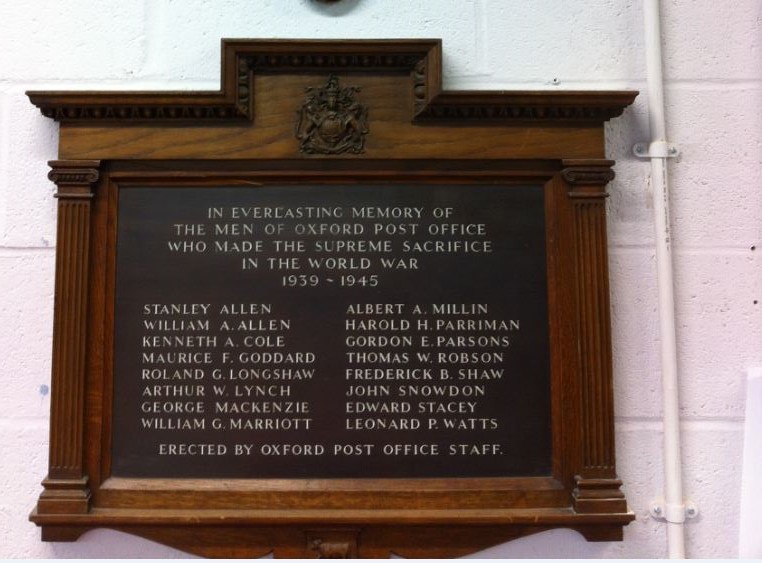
(331, 310)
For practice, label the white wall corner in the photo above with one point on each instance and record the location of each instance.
(750, 540)
(4, 133)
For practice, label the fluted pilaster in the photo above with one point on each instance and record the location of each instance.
(597, 488)
(66, 485)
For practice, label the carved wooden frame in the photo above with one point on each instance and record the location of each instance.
(424, 134)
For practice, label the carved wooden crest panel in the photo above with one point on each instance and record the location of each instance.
(332, 120)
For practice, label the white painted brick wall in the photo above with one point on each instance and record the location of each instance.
(584, 41)
(29, 208)
(78, 40)
(714, 88)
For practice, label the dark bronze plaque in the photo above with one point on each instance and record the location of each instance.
(331, 331)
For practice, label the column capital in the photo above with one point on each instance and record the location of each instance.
(586, 174)
(74, 178)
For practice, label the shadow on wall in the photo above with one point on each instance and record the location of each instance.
(110, 544)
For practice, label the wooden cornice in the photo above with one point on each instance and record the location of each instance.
(242, 58)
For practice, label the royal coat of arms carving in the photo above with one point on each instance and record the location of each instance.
(331, 120)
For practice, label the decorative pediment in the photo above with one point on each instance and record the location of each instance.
(242, 59)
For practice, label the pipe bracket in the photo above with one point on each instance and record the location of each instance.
(657, 149)
(673, 513)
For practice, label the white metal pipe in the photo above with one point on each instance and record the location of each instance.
(674, 509)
